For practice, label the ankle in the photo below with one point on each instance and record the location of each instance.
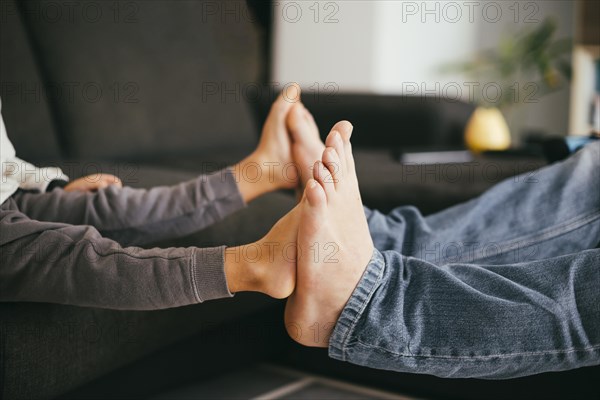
(255, 177)
(235, 269)
(243, 272)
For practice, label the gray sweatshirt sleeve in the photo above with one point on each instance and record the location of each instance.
(140, 216)
(66, 264)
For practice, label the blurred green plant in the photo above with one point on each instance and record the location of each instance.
(526, 66)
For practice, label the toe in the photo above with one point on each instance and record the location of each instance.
(349, 156)
(295, 121)
(289, 96)
(334, 140)
(330, 140)
(345, 129)
(310, 120)
(315, 194)
(332, 162)
(322, 175)
(291, 93)
(308, 115)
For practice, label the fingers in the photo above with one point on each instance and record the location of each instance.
(112, 180)
(93, 182)
(102, 181)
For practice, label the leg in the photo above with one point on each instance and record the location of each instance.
(67, 264)
(501, 226)
(466, 320)
(139, 216)
(460, 320)
(135, 216)
(554, 211)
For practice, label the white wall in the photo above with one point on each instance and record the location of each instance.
(413, 44)
(396, 46)
(337, 48)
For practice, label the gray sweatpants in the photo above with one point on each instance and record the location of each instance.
(72, 247)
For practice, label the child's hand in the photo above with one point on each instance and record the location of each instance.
(93, 182)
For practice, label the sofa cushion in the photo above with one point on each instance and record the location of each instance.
(49, 349)
(84, 343)
(25, 109)
(144, 78)
(386, 183)
(245, 226)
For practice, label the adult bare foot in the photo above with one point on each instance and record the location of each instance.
(268, 265)
(307, 146)
(334, 244)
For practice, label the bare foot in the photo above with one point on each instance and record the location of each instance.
(268, 265)
(271, 166)
(307, 146)
(333, 241)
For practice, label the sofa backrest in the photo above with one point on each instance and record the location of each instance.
(26, 112)
(144, 79)
(395, 122)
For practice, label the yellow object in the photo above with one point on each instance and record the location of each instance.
(487, 130)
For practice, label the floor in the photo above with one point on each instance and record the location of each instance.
(267, 382)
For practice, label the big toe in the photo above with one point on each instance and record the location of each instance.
(291, 93)
(334, 141)
(303, 129)
(289, 97)
(345, 129)
(296, 122)
(339, 139)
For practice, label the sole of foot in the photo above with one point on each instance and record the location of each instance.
(334, 244)
(307, 146)
(269, 265)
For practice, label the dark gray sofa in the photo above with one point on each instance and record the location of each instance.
(150, 67)
(131, 91)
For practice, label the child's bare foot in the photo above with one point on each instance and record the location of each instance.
(307, 146)
(333, 241)
(271, 166)
(268, 265)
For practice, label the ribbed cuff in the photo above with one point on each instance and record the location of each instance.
(56, 183)
(60, 177)
(208, 274)
(356, 305)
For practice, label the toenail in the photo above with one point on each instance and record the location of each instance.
(338, 139)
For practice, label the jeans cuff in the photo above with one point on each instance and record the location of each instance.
(356, 305)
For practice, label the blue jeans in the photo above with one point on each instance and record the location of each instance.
(505, 285)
